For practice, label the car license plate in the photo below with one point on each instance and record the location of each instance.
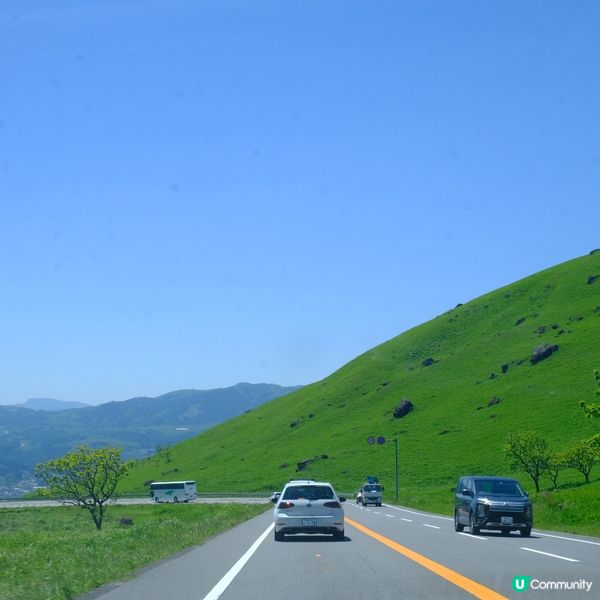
(309, 522)
(506, 520)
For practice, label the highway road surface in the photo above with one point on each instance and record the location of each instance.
(388, 553)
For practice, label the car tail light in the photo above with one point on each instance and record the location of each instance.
(286, 504)
(332, 505)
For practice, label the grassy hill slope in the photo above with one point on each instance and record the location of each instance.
(451, 430)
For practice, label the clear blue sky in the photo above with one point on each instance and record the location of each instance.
(197, 193)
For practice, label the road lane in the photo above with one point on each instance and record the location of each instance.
(317, 567)
(491, 559)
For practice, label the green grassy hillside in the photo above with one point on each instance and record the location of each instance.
(451, 430)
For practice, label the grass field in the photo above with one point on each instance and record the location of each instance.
(57, 554)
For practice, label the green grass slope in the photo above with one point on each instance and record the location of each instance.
(452, 430)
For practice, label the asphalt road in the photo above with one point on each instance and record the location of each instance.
(388, 553)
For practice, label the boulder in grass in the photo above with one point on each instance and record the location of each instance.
(403, 409)
(542, 352)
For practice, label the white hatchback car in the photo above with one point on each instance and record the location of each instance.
(308, 507)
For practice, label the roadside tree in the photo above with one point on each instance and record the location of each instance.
(529, 451)
(582, 457)
(554, 467)
(87, 478)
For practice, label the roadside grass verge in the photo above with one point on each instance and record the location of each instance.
(57, 554)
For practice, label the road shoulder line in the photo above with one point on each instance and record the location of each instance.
(232, 573)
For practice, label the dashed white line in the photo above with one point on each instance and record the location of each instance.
(552, 555)
(420, 514)
(391, 516)
(407, 520)
(432, 526)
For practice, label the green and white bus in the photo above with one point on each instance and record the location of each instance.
(173, 491)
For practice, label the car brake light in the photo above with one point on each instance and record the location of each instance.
(332, 505)
(286, 504)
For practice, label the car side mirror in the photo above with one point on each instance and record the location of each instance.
(466, 492)
(274, 500)
(342, 499)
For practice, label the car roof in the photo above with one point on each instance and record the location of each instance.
(307, 482)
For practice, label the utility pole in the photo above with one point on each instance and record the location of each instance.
(396, 461)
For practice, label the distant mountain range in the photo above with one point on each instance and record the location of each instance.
(43, 429)
(51, 404)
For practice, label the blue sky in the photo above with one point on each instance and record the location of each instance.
(197, 193)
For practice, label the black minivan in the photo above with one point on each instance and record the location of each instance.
(492, 503)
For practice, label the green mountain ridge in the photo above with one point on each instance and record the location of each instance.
(468, 373)
(137, 425)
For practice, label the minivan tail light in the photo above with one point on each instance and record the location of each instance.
(332, 505)
(286, 504)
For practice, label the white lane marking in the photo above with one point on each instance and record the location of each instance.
(407, 520)
(432, 526)
(560, 537)
(421, 514)
(473, 537)
(552, 555)
(390, 516)
(231, 574)
(376, 512)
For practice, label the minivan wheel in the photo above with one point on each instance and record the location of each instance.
(278, 536)
(338, 536)
(526, 532)
(457, 526)
(473, 527)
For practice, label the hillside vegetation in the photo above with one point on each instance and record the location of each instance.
(477, 351)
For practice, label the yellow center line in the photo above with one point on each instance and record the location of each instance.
(478, 590)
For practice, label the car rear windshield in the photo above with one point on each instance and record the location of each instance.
(501, 487)
(309, 492)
